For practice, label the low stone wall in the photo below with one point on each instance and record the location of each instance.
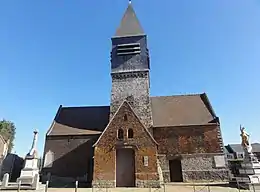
(138, 183)
(147, 184)
(104, 184)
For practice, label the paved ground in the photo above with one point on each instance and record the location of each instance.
(168, 188)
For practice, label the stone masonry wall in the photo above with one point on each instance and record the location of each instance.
(201, 167)
(133, 86)
(142, 143)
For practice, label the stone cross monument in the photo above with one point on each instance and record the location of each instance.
(30, 172)
(33, 151)
(249, 173)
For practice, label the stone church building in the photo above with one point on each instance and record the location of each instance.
(138, 140)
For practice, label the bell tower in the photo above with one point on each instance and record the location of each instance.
(130, 66)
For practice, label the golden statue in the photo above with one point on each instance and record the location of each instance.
(244, 136)
(245, 140)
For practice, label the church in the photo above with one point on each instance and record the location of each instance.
(138, 140)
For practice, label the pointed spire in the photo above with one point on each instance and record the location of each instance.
(129, 24)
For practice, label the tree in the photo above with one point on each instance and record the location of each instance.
(7, 130)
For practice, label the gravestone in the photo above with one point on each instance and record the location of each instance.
(5, 180)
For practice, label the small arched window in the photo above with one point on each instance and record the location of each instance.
(130, 133)
(120, 134)
(125, 117)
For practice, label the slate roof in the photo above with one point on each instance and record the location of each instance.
(176, 110)
(237, 148)
(130, 25)
(181, 110)
(80, 120)
(256, 147)
(226, 150)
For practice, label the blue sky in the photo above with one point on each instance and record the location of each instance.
(57, 52)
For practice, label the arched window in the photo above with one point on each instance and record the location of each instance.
(130, 133)
(120, 134)
(125, 117)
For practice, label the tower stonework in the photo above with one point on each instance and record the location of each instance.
(130, 68)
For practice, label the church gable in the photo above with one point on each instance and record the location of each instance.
(125, 126)
(125, 133)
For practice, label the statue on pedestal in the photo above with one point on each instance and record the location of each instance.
(245, 140)
(249, 171)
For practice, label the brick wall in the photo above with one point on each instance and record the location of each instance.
(142, 143)
(188, 140)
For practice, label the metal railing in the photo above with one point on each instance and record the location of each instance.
(164, 187)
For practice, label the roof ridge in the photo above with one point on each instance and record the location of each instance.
(241, 145)
(92, 106)
(178, 95)
(234, 144)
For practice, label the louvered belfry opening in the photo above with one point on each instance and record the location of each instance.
(128, 49)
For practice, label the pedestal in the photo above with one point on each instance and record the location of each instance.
(29, 172)
(249, 173)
